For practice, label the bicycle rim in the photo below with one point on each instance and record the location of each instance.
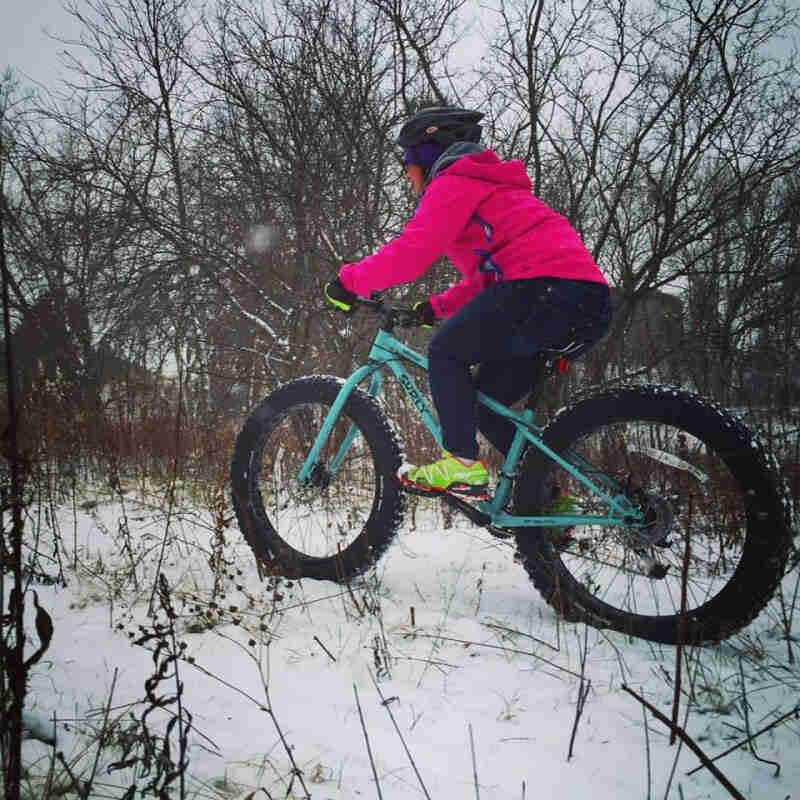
(693, 537)
(323, 517)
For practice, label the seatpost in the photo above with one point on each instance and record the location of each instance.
(540, 379)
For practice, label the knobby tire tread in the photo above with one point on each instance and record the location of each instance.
(276, 556)
(768, 538)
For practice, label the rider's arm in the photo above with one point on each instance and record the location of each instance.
(446, 207)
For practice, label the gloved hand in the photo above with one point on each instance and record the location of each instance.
(337, 295)
(424, 315)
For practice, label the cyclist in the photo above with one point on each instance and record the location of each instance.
(528, 283)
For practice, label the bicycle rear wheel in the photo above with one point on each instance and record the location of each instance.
(716, 537)
(341, 521)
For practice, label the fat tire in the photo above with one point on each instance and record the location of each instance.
(274, 554)
(767, 538)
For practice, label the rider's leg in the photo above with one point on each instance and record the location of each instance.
(477, 332)
(507, 382)
(466, 338)
(508, 322)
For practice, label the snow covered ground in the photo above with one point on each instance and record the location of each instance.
(443, 673)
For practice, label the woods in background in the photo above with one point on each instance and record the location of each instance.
(171, 215)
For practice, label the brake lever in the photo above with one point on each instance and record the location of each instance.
(403, 316)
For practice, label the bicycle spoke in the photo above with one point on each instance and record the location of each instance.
(668, 467)
(319, 518)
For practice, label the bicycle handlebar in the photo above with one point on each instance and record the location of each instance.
(404, 316)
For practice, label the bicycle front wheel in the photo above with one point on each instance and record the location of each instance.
(338, 523)
(715, 536)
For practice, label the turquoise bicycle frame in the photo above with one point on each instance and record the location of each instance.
(387, 351)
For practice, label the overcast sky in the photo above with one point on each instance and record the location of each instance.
(26, 46)
(24, 43)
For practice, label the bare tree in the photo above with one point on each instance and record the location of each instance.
(81, 290)
(422, 46)
(308, 99)
(134, 73)
(234, 160)
(14, 665)
(646, 125)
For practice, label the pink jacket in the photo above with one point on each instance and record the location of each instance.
(480, 212)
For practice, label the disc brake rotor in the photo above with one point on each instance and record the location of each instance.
(656, 525)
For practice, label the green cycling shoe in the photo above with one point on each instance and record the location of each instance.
(448, 474)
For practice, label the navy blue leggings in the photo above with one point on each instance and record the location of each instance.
(503, 329)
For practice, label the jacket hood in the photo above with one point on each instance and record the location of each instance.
(469, 160)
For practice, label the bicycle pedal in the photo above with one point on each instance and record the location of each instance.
(411, 488)
(468, 492)
(461, 492)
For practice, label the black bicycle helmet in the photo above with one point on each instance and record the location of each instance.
(442, 124)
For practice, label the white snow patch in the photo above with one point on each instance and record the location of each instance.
(458, 640)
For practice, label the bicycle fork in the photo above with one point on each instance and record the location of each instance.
(384, 344)
(312, 459)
